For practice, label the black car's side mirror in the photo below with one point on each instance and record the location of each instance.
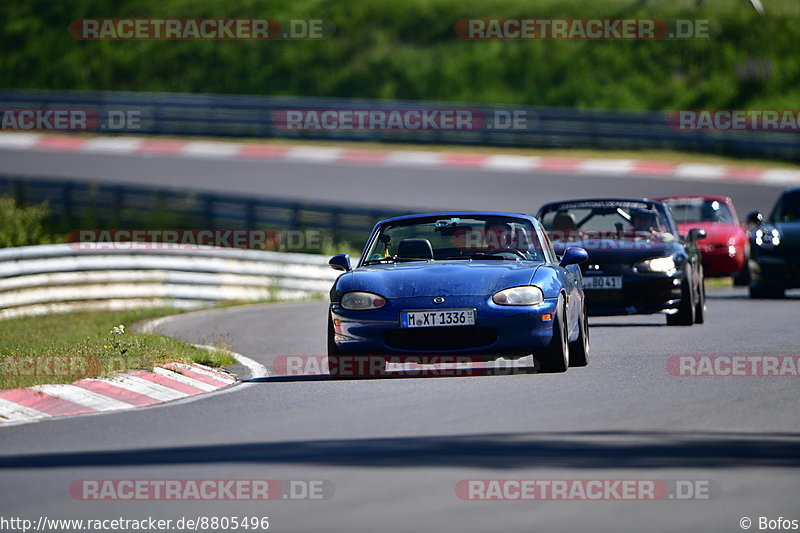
(340, 262)
(573, 256)
(697, 234)
(755, 218)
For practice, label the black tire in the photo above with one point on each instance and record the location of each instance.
(742, 278)
(686, 309)
(700, 308)
(332, 348)
(579, 349)
(555, 358)
(767, 293)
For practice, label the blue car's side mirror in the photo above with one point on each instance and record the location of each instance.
(573, 256)
(340, 262)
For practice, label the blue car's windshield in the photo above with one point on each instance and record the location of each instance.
(469, 237)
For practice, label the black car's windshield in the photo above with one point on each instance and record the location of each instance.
(686, 210)
(603, 219)
(469, 237)
(788, 208)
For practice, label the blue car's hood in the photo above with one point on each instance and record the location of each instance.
(439, 278)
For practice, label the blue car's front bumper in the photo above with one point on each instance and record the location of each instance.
(498, 330)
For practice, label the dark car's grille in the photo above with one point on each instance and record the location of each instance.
(604, 297)
(449, 338)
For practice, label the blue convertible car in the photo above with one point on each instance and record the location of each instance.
(481, 284)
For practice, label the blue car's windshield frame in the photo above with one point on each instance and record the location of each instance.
(459, 237)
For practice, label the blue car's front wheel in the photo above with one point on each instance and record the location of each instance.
(555, 358)
(579, 349)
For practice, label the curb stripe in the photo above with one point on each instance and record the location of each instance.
(167, 382)
(11, 412)
(81, 396)
(186, 380)
(222, 150)
(199, 375)
(146, 388)
(44, 402)
(212, 372)
(114, 391)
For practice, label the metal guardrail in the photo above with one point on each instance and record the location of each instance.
(548, 127)
(36, 280)
(84, 205)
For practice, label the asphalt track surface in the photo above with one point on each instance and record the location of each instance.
(394, 449)
(403, 187)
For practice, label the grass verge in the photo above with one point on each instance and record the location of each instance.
(66, 347)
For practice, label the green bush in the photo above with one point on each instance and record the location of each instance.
(409, 50)
(24, 225)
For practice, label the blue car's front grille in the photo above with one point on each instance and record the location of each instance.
(445, 338)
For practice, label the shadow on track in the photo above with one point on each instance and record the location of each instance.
(587, 449)
(625, 325)
(427, 374)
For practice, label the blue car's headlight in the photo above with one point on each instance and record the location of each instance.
(657, 264)
(359, 301)
(768, 237)
(527, 295)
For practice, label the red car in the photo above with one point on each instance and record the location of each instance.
(726, 247)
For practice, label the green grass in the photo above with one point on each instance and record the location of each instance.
(409, 50)
(93, 350)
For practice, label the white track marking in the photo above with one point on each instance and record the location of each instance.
(699, 171)
(211, 149)
(607, 166)
(313, 155)
(113, 145)
(13, 411)
(146, 388)
(83, 397)
(20, 141)
(517, 163)
(414, 159)
(171, 374)
(784, 177)
(203, 372)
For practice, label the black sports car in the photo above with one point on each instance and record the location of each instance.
(775, 247)
(638, 263)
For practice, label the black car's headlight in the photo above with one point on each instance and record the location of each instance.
(360, 301)
(528, 295)
(657, 264)
(767, 237)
